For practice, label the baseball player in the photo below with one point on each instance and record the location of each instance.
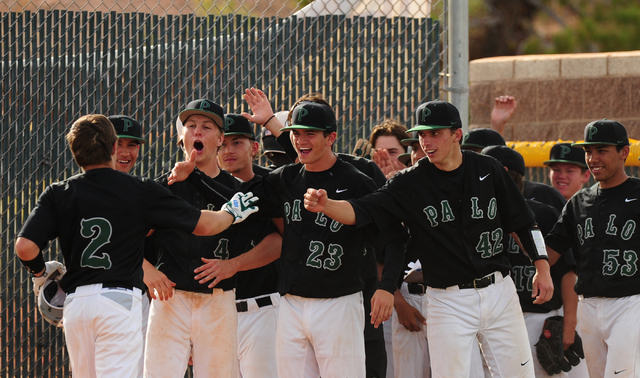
(460, 205)
(129, 133)
(388, 136)
(598, 224)
(257, 298)
(197, 320)
(102, 248)
(562, 272)
(321, 316)
(568, 171)
(477, 139)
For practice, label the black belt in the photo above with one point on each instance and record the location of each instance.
(416, 288)
(479, 283)
(261, 302)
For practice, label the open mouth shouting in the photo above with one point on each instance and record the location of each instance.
(198, 145)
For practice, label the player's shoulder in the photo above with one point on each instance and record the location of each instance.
(365, 166)
(474, 159)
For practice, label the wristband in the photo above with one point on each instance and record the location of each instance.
(34, 266)
(270, 118)
(533, 243)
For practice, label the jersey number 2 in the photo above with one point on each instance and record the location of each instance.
(99, 230)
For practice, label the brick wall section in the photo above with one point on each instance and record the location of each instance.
(558, 94)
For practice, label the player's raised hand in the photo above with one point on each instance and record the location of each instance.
(240, 206)
(183, 169)
(362, 148)
(160, 286)
(381, 307)
(315, 200)
(216, 270)
(542, 286)
(387, 165)
(503, 109)
(260, 107)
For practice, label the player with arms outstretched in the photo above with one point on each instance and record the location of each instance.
(458, 205)
(101, 218)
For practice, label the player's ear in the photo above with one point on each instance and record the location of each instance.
(255, 147)
(458, 135)
(331, 138)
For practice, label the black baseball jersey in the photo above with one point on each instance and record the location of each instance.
(522, 270)
(459, 217)
(179, 253)
(600, 224)
(544, 193)
(259, 170)
(321, 258)
(101, 218)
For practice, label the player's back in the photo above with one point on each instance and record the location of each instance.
(101, 218)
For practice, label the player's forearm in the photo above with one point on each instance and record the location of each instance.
(569, 299)
(542, 267)
(212, 222)
(267, 251)
(341, 211)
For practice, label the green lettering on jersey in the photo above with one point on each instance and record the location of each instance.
(610, 263)
(628, 229)
(296, 216)
(432, 215)
(287, 211)
(611, 229)
(631, 267)
(588, 229)
(493, 208)
(222, 250)
(447, 213)
(99, 231)
(476, 213)
(580, 236)
(333, 262)
(321, 219)
(335, 226)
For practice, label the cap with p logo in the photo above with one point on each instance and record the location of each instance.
(235, 124)
(312, 115)
(205, 108)
(436, 115)
(566, 153)
(604, 131)
(127, 127)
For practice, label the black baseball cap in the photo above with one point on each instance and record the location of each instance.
(604, 131)
(269, 142)
(127, 127)
(481, 138)
(408, 142)
(312, 116)
(206, 108)
(566, 153)
(235, 124)
(405, 158)
(436, 115)
(509, 157)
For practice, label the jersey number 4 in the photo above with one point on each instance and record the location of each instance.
(99, 231)
(333, 262)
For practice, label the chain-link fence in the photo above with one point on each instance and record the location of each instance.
(61, 60)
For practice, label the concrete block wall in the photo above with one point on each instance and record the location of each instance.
(557, 95)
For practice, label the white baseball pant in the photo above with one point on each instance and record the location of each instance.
(610, 331)
(102, 328)
(200, 325)
(257, 338)
(145, 322)
(321, 337)
(410, 349)
(535, 322)
(459, 318)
